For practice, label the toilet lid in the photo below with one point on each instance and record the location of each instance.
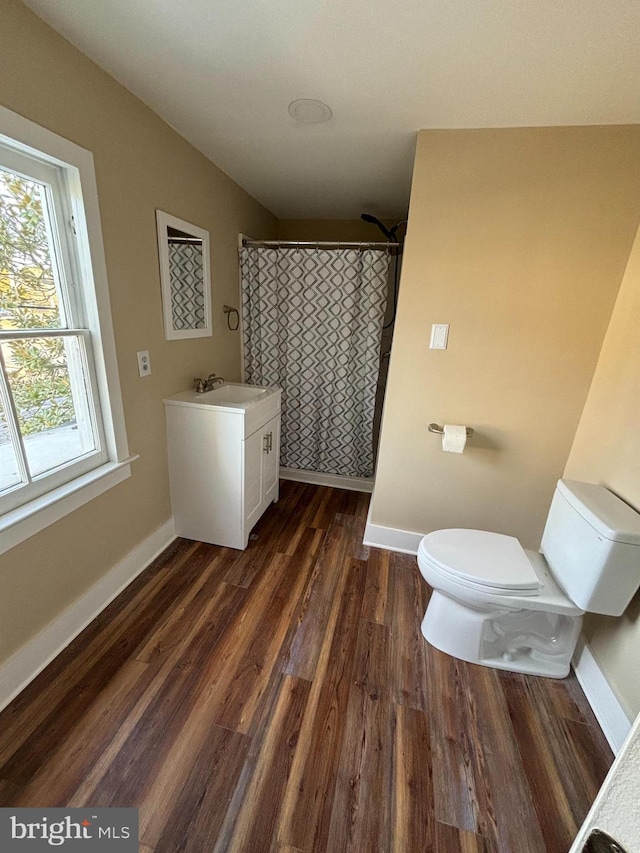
(478, 556)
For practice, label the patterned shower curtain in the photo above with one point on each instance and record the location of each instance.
(312, 323)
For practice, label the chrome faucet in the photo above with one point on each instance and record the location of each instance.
(208, 384)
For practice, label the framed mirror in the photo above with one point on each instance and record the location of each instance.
(185, 276)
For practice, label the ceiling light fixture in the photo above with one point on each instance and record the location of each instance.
(309, 111)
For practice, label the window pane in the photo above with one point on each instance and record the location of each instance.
(28, 293)
(9, 471)
(46, 378)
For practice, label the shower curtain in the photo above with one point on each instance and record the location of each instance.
(312, 323)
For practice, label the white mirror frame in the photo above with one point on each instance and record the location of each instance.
(164, 221)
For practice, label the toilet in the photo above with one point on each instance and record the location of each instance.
(497, 604)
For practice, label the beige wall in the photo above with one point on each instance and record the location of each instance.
(333, 229)
(606, 451)
(141, 165)
(518, 238)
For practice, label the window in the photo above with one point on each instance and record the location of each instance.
(49, 432)
(61, 426)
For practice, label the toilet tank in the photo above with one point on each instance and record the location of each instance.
(592, 544)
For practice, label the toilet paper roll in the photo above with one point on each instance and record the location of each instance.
(454, 437)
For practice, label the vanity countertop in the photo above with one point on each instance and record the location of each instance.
(232, 396)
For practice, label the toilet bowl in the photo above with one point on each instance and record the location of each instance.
(497, 604)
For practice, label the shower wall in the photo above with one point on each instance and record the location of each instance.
(358, 231)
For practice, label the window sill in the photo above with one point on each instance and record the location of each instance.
(27, 520)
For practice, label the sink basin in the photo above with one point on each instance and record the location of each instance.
(230, 396)
(233, 394)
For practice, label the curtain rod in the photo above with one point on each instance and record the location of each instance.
(317, 244)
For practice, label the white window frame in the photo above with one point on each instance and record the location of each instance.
(77, 166)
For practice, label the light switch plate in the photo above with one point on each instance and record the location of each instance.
(439, 336)
(144, 363)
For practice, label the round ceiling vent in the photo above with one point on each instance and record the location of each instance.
(309, 111)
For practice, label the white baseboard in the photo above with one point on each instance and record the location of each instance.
(335, 481)
(605, 705)
(391, 538)
(29, 660)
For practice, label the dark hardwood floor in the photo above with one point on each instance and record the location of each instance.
(283, 699)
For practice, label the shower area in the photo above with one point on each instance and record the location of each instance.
(317, 320)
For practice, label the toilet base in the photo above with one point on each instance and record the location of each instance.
(530, 641)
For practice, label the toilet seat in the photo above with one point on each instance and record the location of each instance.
(547, 596)
(479, 560)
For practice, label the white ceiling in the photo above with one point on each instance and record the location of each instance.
(222, 73)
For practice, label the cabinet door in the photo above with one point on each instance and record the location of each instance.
(253, 478)
(271, 460)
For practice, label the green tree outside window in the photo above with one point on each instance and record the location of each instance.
(36, 367)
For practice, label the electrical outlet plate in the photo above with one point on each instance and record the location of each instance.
(144, 363)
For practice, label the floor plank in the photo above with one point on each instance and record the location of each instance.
(69, 762)
(449, 839)
(376, 604)
(543, 768)
(412, 825)
(458, 787)
(193, 819)
(410, 677)
(508, 816)
(283, 700)
(320, 595)
(364, 769)
(308, 800)
(254, 828)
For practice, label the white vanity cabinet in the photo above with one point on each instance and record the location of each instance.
(224, 450)
(261, 467)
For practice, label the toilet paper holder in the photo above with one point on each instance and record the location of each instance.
(440, 430)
